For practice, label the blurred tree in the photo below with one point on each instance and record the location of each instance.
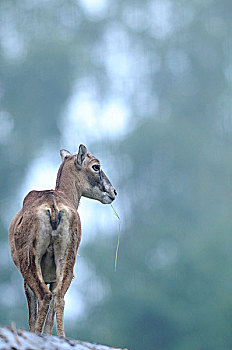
(173, 286)
(170, 63)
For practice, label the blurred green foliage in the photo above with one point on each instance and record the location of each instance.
(173, 285)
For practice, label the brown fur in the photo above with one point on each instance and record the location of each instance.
(45, 234)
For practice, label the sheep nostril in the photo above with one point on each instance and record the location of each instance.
(115, 192)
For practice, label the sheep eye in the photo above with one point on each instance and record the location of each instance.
(48, 212)
(96, 167)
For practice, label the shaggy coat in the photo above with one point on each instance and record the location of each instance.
(45, 234)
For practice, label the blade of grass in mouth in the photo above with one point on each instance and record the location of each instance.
(119, 228)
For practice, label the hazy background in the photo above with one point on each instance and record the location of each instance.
(147, 87)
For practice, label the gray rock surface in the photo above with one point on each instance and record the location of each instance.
(13, 339)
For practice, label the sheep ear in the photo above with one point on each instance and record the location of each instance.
(81, 154)
(64, 153)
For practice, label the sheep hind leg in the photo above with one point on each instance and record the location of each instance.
(58, 294)
(32, 306)
(43, 294)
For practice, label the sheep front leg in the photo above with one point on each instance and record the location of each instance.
(43, 305)
(51, 313)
